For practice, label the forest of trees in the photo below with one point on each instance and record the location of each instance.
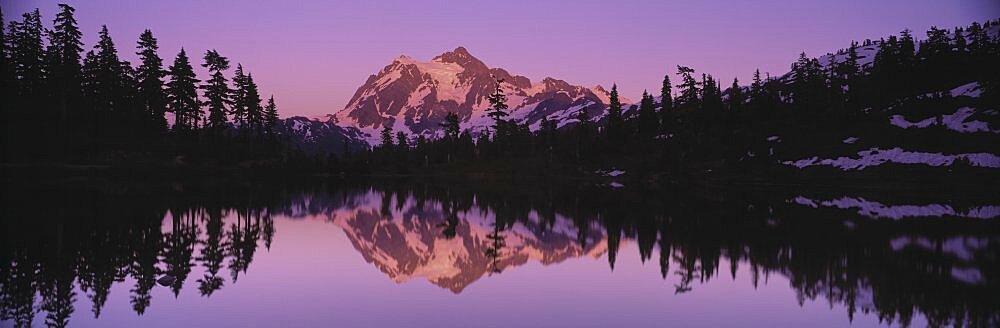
(66, 103)
(696, 125)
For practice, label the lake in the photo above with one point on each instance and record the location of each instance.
(495, 254)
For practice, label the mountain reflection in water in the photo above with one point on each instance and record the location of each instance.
(936, 263)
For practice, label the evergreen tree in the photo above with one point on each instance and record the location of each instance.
(270, 115)
(666, 98)
(401, 142)
(615, 121)
(688, 88)
(582, 132)
(182, 94)
(126, 94)
(907, 47)
(451, 133)
(498, 108)
(808, 83)
(736, 97)
(386, 137)
(666, 104)
(583, 117)
(216, 90)
(108, 93)
(937, 43)
(150, 73)
(851, 69)
(255, 112)
(547, 128)
(27, 57)
(711, 95)
(239, 97)
(961, 45)
(757, 86)
(63, 64)
(978, 38)
(451, 126)
(647, 117)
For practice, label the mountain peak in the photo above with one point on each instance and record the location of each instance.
(461, 50)
(460, 56)
(404, 59)
(415, 96)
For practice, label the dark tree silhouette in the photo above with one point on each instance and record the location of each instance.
(63, 66)
(498, 109)
(150, 76)
(182, 94)
(270, 115)
(216, 90)
(689, 90)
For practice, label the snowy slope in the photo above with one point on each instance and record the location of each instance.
(414, 96)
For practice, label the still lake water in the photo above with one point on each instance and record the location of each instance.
(495, 255)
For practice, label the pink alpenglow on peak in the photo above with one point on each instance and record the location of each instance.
(414, 97)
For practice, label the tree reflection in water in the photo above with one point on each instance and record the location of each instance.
(55, 243)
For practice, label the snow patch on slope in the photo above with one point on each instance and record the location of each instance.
(876, 157)
(955, 122)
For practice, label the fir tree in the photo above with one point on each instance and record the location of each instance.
(666, 103)
(216, 90)
(688, 88)
(401, 141)
(583, 117)
(182, 94)
(239, 97)
(978, 39)
(851, 68)
(961, 45)
(255, 112)
(27, 56)
(270, 115)
(666, 98)
(757, 86)
(498, 108)
(451, 126)
(107, 80)
(736, 97)
(386, 137)
(63, 64)
(547, 128)
(808, 83)
(451, 133)
(647, 116)
(150, 78)
(711, 95)
(109, 88)
(132, 114)
(615, 121)
(907, 47)
(937, 43)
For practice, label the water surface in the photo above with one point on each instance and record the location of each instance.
(495, 255)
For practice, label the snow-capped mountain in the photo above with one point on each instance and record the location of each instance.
(413, 96)
(450, 248)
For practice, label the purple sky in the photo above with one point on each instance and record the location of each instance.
(312, 55)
